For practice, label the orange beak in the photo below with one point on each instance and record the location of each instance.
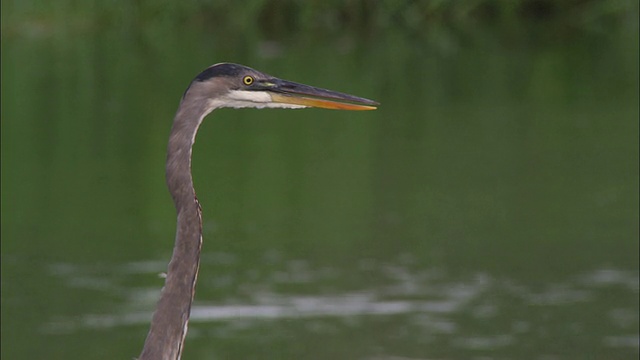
(288, 92)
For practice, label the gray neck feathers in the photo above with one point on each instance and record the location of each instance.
(169, 323)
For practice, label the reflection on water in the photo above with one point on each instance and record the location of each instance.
(488, 208)
(434, 306)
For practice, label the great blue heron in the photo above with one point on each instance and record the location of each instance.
(221, 85)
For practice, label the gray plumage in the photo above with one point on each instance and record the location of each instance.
(221, 85)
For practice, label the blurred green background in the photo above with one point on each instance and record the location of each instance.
(487, 210)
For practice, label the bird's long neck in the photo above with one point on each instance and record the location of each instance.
(169, 323)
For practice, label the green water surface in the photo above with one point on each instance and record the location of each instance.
(487, 210)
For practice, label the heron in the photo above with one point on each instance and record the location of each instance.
(223, 85)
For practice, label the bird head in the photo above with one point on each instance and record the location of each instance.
(238, 86)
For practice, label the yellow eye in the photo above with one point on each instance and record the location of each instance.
(247, 80)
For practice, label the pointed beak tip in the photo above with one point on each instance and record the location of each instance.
(288, 92)
(334, 103)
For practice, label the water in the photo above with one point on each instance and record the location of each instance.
(487, 210)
